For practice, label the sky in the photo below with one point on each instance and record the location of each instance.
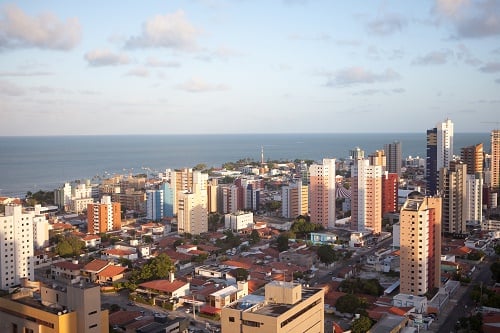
(248, 66)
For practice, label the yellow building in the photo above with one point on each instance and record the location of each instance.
(286, 307)
(60, 309)
(420, 244)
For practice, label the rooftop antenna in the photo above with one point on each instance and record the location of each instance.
(262, 155)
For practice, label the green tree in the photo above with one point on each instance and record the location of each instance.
(326, 254)
(495, 270)
(200, 167)
(64, 249)
(282, 242)
(69, 246)
(254, 237)
(241, 274)
(214, 221)
(361, 325)
(348, 303)
(161, 266)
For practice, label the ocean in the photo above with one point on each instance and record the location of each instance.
(45, 163)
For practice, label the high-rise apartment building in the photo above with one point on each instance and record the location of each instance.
(393, 153)
(192, 216)
(212, 188)
(185, 180)
(229, 198)
(473, 157)
(390, 191)
(495, 160)
(295, 200)
(104, 216)
(452, 187)
(439, 153)
(159, 203)
(420, 244)
(62, 196)
(474, 198)
(154, 205)
(322, 193)
(366, 196)
(378, 158)
(16, 246)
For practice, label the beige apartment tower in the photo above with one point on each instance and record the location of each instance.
(366, 198)
(295, 200)
(285, 308)
(495, 160)
(420, 244)
(322, 193)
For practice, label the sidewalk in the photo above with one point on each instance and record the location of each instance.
(449, 307)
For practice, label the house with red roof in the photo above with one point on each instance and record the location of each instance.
(164, 290)
(91, 272)
(66, 271)
(92, 241)
(119, 251)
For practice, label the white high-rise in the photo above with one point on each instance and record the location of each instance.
(444, 144)
(474, 198)
(16, 246)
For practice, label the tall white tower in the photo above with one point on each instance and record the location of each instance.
(16, 246)
(444, 144)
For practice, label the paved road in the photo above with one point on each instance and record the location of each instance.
(461, 305)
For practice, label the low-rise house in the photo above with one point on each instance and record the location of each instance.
(68, 271)
(111, 274)
(226, 296)
(299, 257)
(92, 241)
(211, 271)
(161, 291)
(120, 251)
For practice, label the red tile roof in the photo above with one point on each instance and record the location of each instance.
(238, 263)
(68, 265)
(163, 285)
(111, 271)
(123, 317)
(118, 252)
(96, 265)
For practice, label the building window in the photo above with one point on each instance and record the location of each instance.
(231, 319)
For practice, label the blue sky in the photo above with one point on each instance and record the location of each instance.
(248, 66)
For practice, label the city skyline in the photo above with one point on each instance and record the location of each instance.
(215, 66)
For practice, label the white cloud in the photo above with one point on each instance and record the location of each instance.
(45, 31)
(105, 58)
(387, 24)
(10, 89)
(358, 75)
(471, 19)
(491, 67)
(464, 54)
(140, 72)
(153, 62)
(41, 73)
(169, 31)
(433, 58)
(196, 85)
